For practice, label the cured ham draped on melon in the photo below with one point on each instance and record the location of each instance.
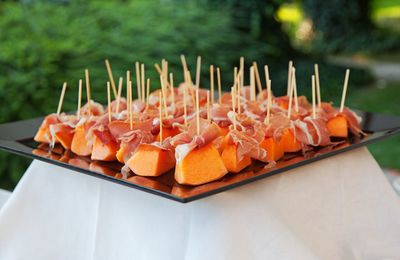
(274, 149)
(104, 146)
(43, 135)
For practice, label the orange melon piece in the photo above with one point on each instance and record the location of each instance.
(104, 151)
(150, 160)
(200, 166)
(43, 135)
(274, 150)
(167, 132)
(231, 160)
(288, 142)
(65, 136)
(80, 145)
(337, 127)
(283, 103)
(224, 130)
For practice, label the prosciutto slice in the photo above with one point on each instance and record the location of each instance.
(311, 131)
(187, 141)
(130, 141)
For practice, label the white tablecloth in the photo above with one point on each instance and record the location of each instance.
(338, 208)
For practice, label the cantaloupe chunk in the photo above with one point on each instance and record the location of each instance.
(65, 136)
(80, 145)
(288, 142)
(224, 130)
(337, 127)
(104, 151)
(274, 149)
(167, 132)
(283, 103)
(231, 160)
(200, 166)
(43, 135)
(150, 160)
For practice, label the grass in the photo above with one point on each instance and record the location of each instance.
(382, 100)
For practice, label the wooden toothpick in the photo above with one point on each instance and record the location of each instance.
(208, 106)
(130, 106)
(233, 97)
(88, 91)
(252, 85)
(219, 86)
(289, 85)
(346, 81)
(143, 86)
(147, 93)
(171, 84)
(197, 112)
(110, 75)
(294, 83)
(78, 111)
(269, 102)
(138, 85)
(241, 71)
(121, 79)
(109, 101)
(61, 100)
(258, 80)
(198, 70)
(161, 124)
(293, 70)
(163, 90)
(184, 104)
(212, 83)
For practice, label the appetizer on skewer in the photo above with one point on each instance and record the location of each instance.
(187, 129)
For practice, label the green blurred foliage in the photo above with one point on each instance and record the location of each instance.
(44, 43)
(342, 26)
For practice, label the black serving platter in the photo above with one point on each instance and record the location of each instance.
(17, 137)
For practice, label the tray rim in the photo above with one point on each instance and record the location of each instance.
(10, 144)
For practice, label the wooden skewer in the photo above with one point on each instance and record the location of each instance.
(164, 65)
(212, 83)
(233, 97)
(269, 102)
(109, 101)
(317, 84)
(197, 112)
(235, 75)
(241, 71)
(143, 86)
(198, 70)
(78, 111)
(130, 106)
(289, 85)
(171, 84)
(258, 80)
(346, 81)
(110, 75)
(184, 65)
(219, 85)
(161, 73)
(161, 124)
(184, 104)
(266, 70)
(238, 94)
(293, 70)
(148, 93)
(313, 95)
(88, 91)
(296, 101)
(208, 106)
(121, 79)
(60, 102)
(128, 79)
(139, 92)
(189, 84)
(163, 90)
(252, 85)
